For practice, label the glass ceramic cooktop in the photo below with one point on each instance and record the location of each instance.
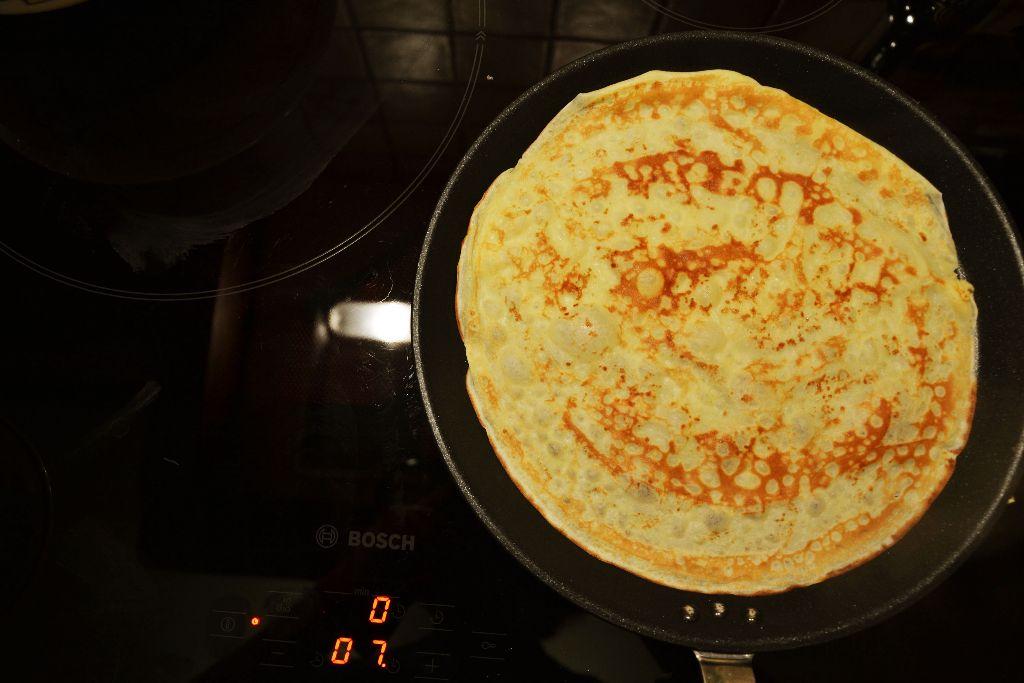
(217, 465)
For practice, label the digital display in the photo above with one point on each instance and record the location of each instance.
(366, 635)
(369, 648)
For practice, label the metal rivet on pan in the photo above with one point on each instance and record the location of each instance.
(719, 609)
(751, 615)
(689, 613)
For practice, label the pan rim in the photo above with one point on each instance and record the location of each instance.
(758, 643)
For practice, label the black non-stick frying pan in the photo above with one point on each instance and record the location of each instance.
(989, 255)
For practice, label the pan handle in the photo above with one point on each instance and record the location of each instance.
(718, 667)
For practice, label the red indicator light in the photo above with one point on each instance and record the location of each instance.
(379, 611)
(339, 657)
(255, 621)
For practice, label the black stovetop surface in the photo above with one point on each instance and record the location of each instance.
(210, 214)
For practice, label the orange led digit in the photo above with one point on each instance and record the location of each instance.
(380, 658)
(255, 621)
(347, 642)
(384, 602)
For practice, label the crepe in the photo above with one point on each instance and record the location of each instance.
(716, 337)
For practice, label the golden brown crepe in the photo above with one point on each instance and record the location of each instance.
(716, 337)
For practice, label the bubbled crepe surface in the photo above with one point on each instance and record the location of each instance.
(716, 337)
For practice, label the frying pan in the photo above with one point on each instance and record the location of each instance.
(724, 624)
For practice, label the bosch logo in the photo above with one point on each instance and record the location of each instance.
(381, 540)
(326, 536)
